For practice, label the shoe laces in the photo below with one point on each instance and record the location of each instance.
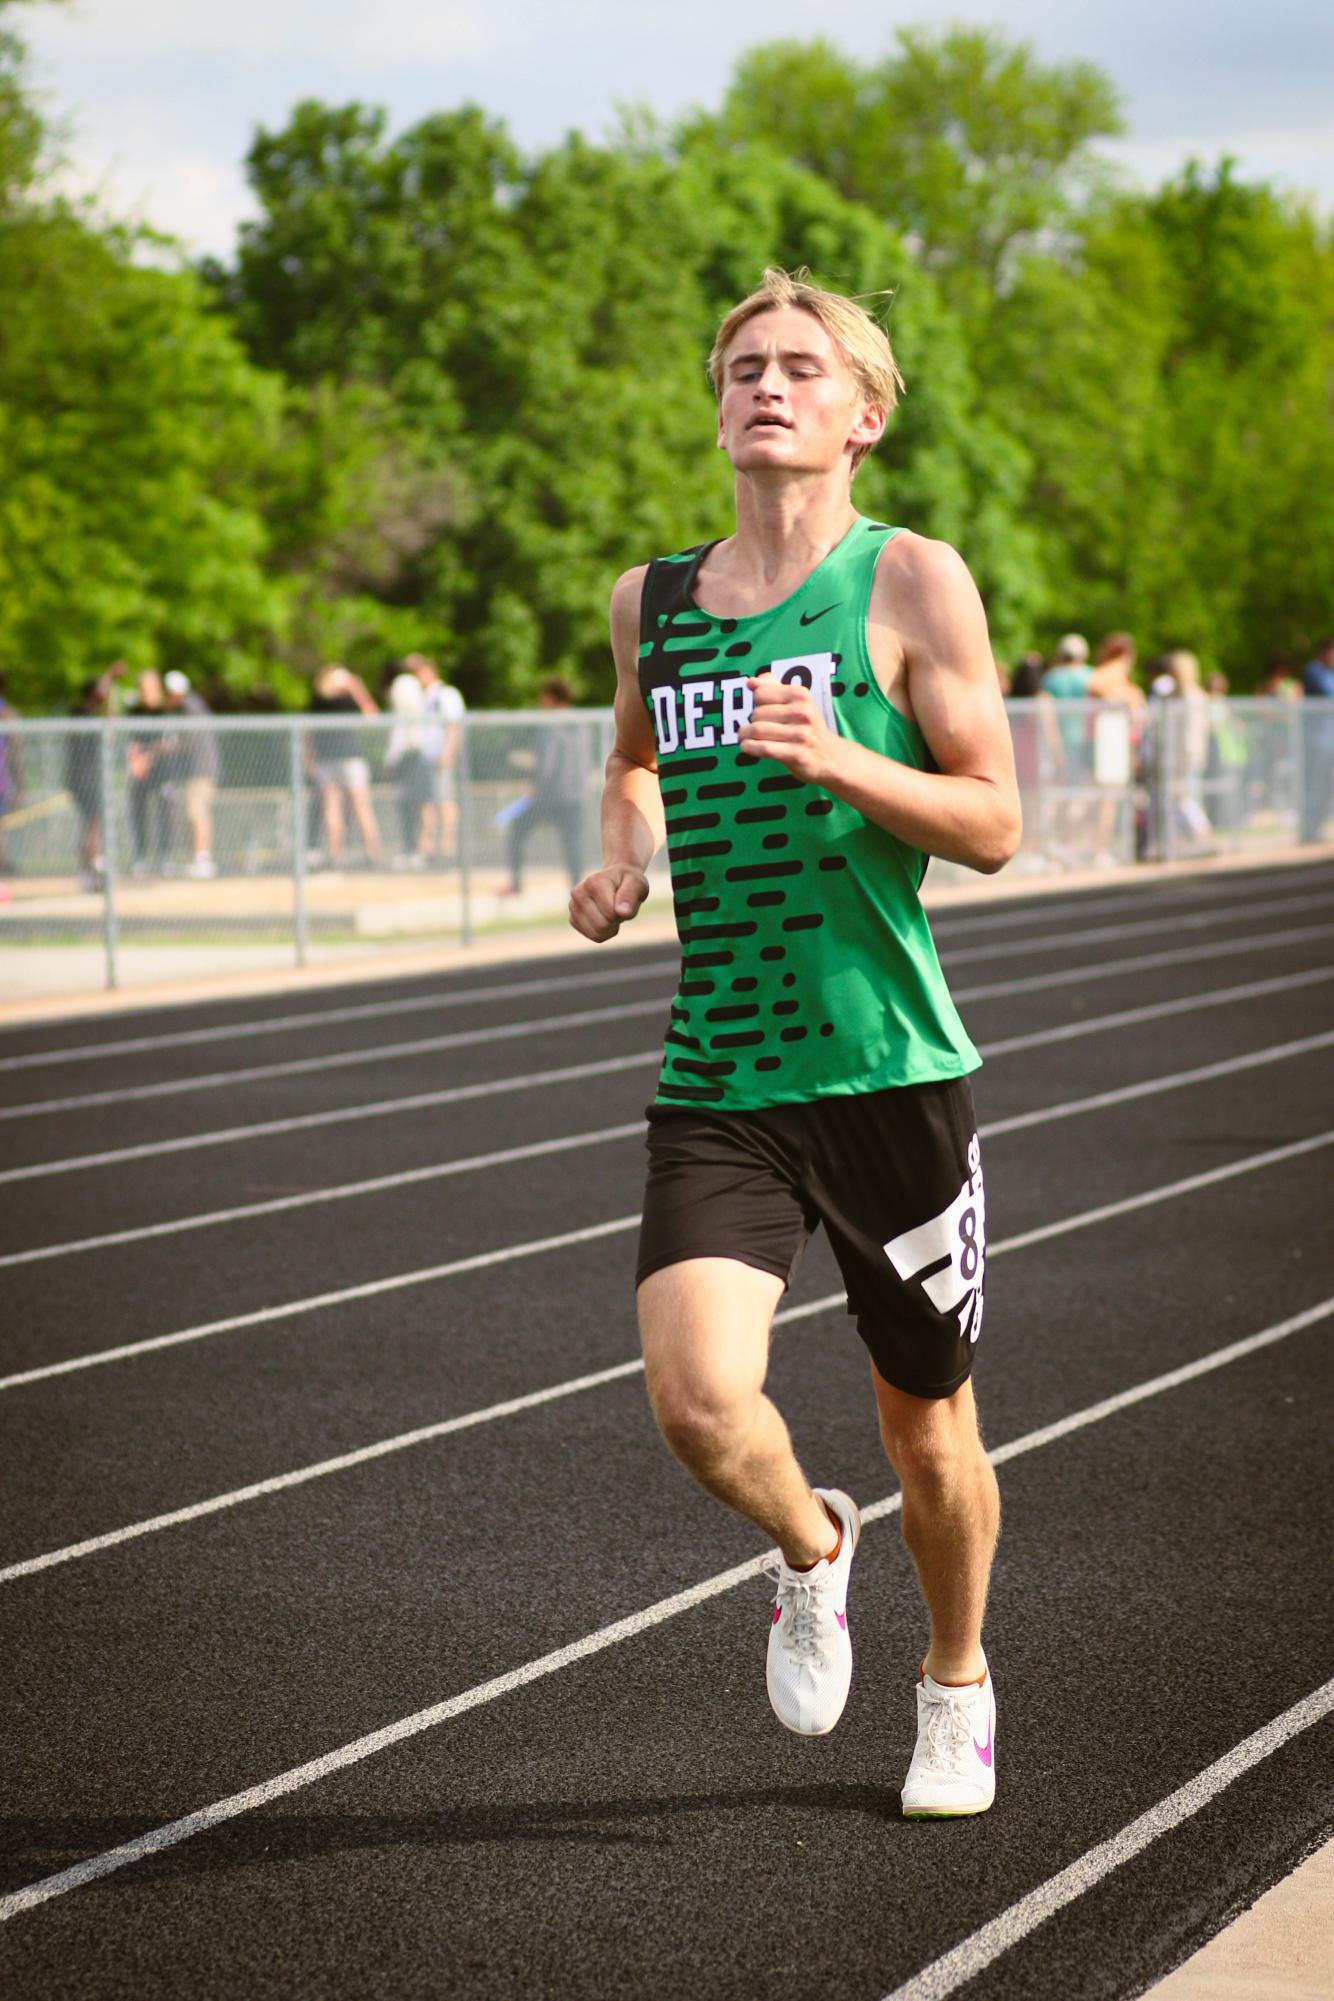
(949, 1728)
(803, 1611)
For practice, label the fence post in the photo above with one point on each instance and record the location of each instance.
(464, 835)
(110, 927)
(297, 778)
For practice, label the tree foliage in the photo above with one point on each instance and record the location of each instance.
(444, 393)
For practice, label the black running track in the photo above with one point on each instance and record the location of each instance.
(481, 1712)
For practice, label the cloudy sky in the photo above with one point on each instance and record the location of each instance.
(160, 98)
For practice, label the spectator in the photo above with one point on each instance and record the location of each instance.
(1027, 676)
(149, 768)
(193, 760)
(11, 768)
(1116, 747)
(340, 766)
(441, 740)
(1229, 757)
(83, 780)
(1066, 681)
(1318, 741)
(1037, 752)
(1188, 738)
(556, 799)
(1281, 680)
(406, 764)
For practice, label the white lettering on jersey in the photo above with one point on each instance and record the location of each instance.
(947, 1255)
(737, 705)
(678, 711)
(664, 719)
(699, 734)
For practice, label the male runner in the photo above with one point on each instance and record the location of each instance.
(807, 710)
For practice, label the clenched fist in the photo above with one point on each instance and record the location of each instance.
(605, 900)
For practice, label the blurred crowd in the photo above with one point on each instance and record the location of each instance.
(1059, 744)
(1065, 746)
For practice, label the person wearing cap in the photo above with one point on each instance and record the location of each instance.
(193, 758)
(1066, 681)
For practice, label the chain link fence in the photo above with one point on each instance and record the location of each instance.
(142, 851)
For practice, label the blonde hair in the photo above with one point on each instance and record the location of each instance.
(1184, 669)
(860, 339)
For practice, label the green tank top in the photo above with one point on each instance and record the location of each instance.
(808, 969)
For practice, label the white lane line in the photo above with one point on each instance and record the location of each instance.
(1146, 1199)
(277, 1483)
(1055, 909)
(1112, 968)
(1075, 1031)
(374, 1288)
(946, 1975)
(280, 1482)
(535, 1150)
(453, 1094)
(385, 1010)
(390, 1052)
(359, 1749)
(1257, 912)
(1148, 895)
(506, 1157)
(296, 1308)
(385, 1107)
(1126, 1093)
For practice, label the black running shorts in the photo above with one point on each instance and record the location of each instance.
(895, 1177)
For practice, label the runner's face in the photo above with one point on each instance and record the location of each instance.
(789, 400)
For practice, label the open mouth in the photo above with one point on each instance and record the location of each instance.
(768, 420)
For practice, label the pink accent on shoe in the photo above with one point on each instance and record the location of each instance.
(842, 1618)
(984, 1750)
(777, 1614)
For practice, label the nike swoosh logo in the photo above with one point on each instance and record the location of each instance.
(984, 1750)
(842, 1618)
(809, 617)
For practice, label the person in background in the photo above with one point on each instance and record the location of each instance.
(194, 762)
(1281, 680)
(1228, 758)
(406, 763)
(1066, 681)
(11, 771)
(341, 770)
(557, 795)
(1026, 679)
(1037, 751)
(1188, 741)
(1318, 741)
(148, 760)
(83, 780)
(441, 740)
(1112, 681)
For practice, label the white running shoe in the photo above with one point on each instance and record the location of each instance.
(809, 1670)
(953, 1769)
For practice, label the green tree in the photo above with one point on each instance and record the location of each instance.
(962, 139)
(1170, 378)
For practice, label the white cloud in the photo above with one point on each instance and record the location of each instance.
(167, 94)
(266, 31)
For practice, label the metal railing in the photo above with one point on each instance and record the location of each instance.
(149, 849)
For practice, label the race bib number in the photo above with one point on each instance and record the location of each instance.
(815, 671)
(947, 1256)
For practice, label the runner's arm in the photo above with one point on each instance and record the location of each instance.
(632, 816)
(968, 809)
